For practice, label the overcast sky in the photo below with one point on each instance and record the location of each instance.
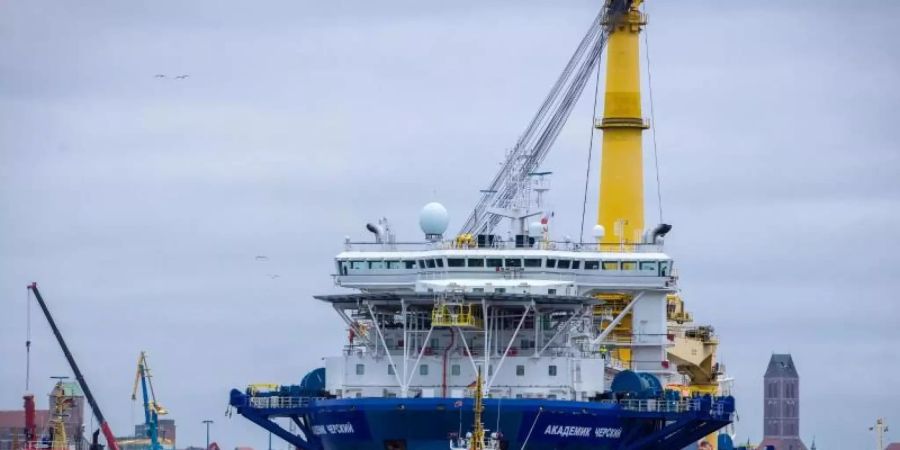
(139, 203)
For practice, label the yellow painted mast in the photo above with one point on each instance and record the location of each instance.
(621, 208)
(621, 202)
(61, 405)
(477, 441)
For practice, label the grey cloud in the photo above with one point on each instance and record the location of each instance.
(139, 204)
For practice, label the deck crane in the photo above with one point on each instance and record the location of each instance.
(535, 142)
(621, 196)
(152, 408)
(104, 426)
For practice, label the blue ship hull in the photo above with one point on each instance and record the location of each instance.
(430, 423)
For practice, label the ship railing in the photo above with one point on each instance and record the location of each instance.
(278, 402)
(683, 405)
(503, 245)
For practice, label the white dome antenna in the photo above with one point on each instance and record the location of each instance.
(433, 220)
(598, 232)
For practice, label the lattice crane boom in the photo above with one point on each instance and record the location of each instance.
(537, 139)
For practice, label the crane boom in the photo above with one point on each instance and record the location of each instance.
(152, 409)
(535, 142)
(104, 426)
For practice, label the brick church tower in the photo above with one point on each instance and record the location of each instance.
(781, 397)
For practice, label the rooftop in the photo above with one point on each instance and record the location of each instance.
(781, 366)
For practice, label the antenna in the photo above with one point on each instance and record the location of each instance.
(879, 429)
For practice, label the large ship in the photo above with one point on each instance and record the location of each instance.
(577, 345)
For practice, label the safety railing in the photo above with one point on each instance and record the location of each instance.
(455, 315)
(504, 245)
(715, 406)
(278, 402)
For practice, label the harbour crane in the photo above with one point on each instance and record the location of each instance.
(95, 408)
(152, 408)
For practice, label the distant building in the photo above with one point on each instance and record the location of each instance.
(12, 426)
(12, 423)
(141, 441)
(194, 448)
(781, 403)
(166, 430)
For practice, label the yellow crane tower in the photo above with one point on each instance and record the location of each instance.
(621, 208)
(621, 201)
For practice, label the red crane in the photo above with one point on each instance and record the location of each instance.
(104, 426)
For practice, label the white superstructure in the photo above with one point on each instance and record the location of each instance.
(424, 317)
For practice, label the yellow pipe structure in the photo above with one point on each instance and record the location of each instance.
(621, 208)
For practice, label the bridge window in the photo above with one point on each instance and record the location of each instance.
(551, 291)
(513, 262)
(664, 268)
(520, 371)
(629, 265)
(649, 266)
(423, 369)
(494, 262)
(421, 263)
(563, 264)
(360, 369)
(576, 265)
(591, 265)
(390, 369)
(410, 264)
(475, 262)
(610, 265)
(551, 263)
(393, 264)
(456, 262)
(440, 262)
(551, 370)
(357, 265)
(430, 263)
(455, 370)
(500, 290)
(376, 264)
(532, 262)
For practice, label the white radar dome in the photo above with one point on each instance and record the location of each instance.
(598, 231)
(433, 219)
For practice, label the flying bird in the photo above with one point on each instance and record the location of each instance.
(181, 77)
(274, 276)
(159, 75)
(262, 258)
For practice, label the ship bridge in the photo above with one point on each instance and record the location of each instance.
(547, 269)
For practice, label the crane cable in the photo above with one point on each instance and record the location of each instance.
(27, 340)
(587, 170)
(652, 117)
